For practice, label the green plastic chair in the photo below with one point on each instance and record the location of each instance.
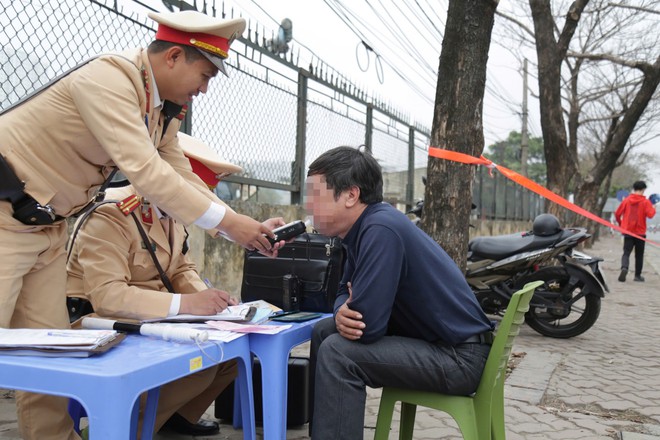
(479, 416)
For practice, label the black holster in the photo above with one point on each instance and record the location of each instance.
(26, 209)
(30, 212)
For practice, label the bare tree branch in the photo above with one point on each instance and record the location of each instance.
(637, 8)
(572, 19)
(519, 23)
(641, 65)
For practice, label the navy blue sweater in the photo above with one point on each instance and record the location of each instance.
(404, 283)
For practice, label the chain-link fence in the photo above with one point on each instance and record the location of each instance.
(270, 116)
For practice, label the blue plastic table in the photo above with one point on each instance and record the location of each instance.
(273, 353)
(108, 385)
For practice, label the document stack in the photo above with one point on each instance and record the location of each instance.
(57, 343)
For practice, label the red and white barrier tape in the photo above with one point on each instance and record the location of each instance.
(529, 184)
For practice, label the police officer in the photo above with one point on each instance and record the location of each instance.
(112, 265)
(58, 147)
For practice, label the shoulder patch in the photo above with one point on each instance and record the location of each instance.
(182, 113)
(129, 204)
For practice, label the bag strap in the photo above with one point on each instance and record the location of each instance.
(164, 278)
(147, 243)
(80, 223)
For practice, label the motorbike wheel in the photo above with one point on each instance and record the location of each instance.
(577, 318)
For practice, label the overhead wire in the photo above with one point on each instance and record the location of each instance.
(495, 89)
(298, 42)
(424, 19)
(402, 51)
(500, 94)
(392, 43)
(404, 42)
(434, 46)
(414, 25)
(341, 11)
(431, 22)
(278, 23)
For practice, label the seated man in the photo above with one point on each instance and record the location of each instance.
(404, 315)
(111, 265)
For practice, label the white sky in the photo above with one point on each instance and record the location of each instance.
(318, 29)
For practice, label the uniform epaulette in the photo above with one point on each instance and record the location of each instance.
(129, 204)
(182, 113)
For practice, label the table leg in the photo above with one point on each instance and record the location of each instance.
(150, 413)
(104, 418)
(274, 378)
(243, 389)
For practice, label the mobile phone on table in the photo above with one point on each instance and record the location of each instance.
(296, 316)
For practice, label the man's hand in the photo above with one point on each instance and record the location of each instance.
(349, 322)
(206, 302)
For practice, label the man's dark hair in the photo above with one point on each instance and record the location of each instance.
(640, 184)
(344, 167)
(158, 46)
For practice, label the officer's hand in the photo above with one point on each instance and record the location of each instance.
(349, 322)
(206, 302)
(273, 223)
(246, 231)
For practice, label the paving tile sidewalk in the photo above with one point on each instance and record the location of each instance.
(604, 384)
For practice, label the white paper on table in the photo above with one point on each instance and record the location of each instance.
(248, 328)
(54, 338)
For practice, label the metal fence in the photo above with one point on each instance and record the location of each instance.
(271, 116)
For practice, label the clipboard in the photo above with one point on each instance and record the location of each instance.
(76, 352)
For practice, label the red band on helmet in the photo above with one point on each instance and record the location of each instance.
(210, 43)
(205, 173)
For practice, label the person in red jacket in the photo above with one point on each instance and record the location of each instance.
(631, 215)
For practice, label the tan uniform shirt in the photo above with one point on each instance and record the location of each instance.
(62, 142)
(111, 266)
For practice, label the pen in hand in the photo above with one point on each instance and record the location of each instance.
(231, 302)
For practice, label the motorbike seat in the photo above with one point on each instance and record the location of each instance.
(503, 246)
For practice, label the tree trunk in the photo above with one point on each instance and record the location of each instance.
(457, 123)
(587, 188)
(560, 160)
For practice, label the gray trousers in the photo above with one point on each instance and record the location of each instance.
(341, 369)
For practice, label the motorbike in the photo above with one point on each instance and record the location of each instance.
(592, 262)
(568, 302)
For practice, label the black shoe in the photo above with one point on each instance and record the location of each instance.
(640, 279)
(180, 425)
(622, 275)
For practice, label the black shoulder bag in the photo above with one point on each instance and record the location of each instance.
(304, 276)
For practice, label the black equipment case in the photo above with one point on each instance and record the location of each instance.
(304, 276)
